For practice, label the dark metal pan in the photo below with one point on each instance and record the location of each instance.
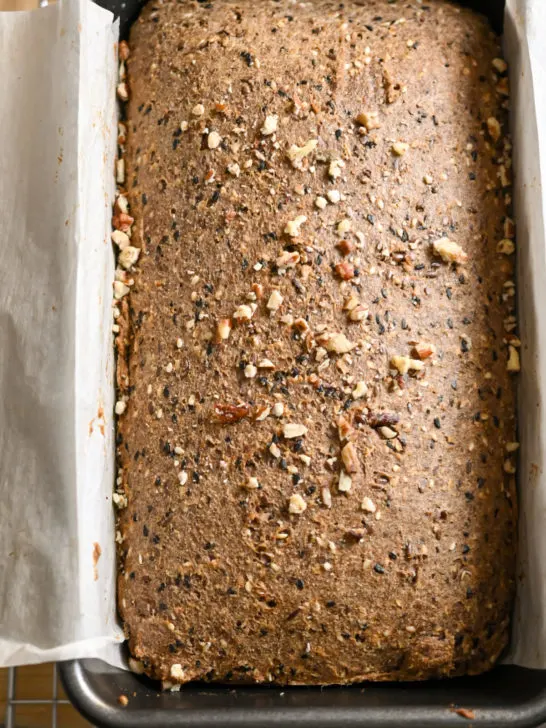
(506, 697)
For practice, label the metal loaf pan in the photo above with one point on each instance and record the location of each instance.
(506, 696)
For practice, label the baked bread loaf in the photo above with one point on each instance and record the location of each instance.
(316, 433)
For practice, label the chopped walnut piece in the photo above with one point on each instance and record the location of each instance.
(291, 430)
(509, 467)
(368, 505)
(258, 290)
(360, 390)
(288, 259)
(345, 482)
(351, 302)
(503, 87)
(223, 329)
(244, 312)
(262, 413)
(424, 350)
(344, 428)
(513, 363)
(120, 407)
(278, 409)
(359, 313)
(350, 458)
(500, 65)
(335, 167)
(336, 343)
(136, 666)
(326, 497)
(128, 256)
(120, 171)
(177, 671)
(301, 325)
(387, 433)
(275, 300)
(494, 128)
(293, 226)
(270, 125)
(399, 148)
(296, 154)
(509, 227)
(404, 364)
(122, 240)
(122, 221)
(449, 251)
(120, 290)
(214, 140)
(121, 205)
(123, 50)
(356, 533)
(275, 450)
(233, 169)
(227, 414)
(345, 247)
(296, 504)
(506, 247)
(344, 270)
(343, 226)
(250, 371)
(123, 91)
(368, 119)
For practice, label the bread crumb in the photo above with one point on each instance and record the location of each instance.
(399, 148)
(293, 226)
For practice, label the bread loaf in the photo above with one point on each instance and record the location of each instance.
(316, 433)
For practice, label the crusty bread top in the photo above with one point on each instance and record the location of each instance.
(316, 447)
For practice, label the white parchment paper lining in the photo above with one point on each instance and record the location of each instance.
(57, 150)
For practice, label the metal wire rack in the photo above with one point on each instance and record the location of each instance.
(12, 701)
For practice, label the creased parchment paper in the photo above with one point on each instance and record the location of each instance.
(525, 49)
(57, 150)
(57, 146)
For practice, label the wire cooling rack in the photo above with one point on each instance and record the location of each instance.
(12, 702)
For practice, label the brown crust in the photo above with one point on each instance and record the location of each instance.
(377, 542)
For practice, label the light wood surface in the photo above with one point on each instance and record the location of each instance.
(18, 4)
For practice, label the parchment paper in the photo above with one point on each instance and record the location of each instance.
(57, 149)
(57, 145)
(525, 28)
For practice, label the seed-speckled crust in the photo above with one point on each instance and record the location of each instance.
(317, 451)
